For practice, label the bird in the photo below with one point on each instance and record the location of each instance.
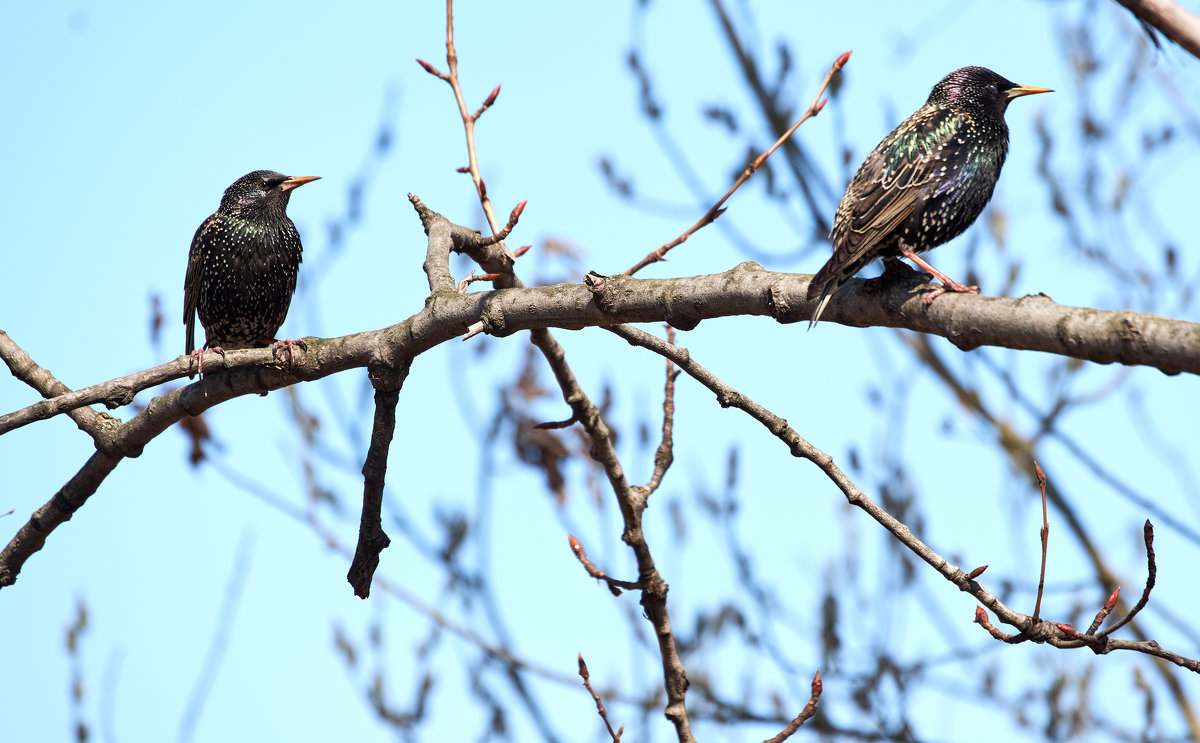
(242, 266)
(924, 183)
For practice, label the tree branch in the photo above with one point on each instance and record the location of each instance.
(1031, 323)
(1061, 636)
(1175, 21)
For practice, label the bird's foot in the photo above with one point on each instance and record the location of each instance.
(198, 357)
(195, 358)
(948, 286)
(290, 346)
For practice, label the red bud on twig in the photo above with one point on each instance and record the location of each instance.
(1111, 601)
(429, 68)
(492, 98)
(976, 572)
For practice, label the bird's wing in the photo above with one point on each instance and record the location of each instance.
(894, 180)
(191, 283)
(886, 191)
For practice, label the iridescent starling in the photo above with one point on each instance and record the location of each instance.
(924, 183)
(243, 264)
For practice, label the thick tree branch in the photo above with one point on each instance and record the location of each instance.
(1032, 323)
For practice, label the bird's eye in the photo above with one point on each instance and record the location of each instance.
(993, 88)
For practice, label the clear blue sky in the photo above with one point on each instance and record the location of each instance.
(124, 124)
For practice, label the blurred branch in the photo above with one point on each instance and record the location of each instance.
(717, 209)
(1175, 21)
(223, 627)
(777, 115)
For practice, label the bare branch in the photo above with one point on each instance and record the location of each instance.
(1175, 21)
(371, 538)
(1044, 534)
(717, 209)
(1151, 576)
(1032, 323)
(583, 673)
(614, 586)
(809, 710)
(1062, 636)
(664, 455)
(91, 422)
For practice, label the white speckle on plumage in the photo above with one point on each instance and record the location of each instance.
(903, 200)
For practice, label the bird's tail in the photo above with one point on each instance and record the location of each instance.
(825, 284)
(828, 289)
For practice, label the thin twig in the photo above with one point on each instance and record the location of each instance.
(809, 710)
(1151, 576)
(583, 673)
(717, 209)
(664, 455)
(615, 586)
(1045, 535)
(1105, 610)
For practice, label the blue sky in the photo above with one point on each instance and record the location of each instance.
(125, 124)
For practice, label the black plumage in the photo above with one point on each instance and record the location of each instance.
(243, 264)
(924, 183)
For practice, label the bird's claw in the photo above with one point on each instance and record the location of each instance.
(951, 286)
(291, 354)
(198, 356)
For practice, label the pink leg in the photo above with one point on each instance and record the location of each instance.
(948, 284)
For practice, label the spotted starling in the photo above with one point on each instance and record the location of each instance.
(924, 183)
(243, 263)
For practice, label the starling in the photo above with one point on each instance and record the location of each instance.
(924, 183)
(243, 264)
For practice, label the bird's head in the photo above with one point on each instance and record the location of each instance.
(262, 190)
(978, 88)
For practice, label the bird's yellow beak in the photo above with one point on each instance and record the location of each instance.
(299, 180)
(1021, 90)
